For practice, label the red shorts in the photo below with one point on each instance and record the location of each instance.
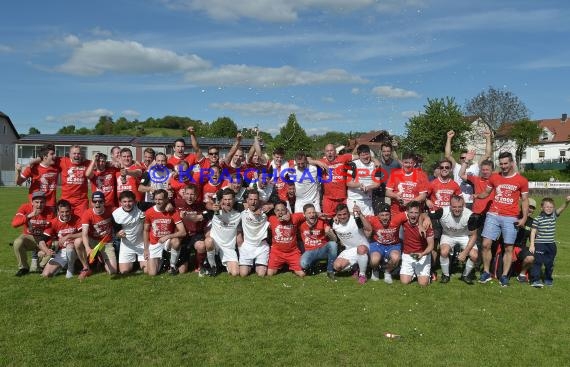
(329, 205)
(279, 258)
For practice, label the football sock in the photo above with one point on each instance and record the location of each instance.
(362, 261)
(174, 257)
(211, 257)
(468, 267)
(444, 263)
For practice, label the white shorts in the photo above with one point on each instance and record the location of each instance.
(156, 250)
(131, 254)
(350, 254)
(364, 205)
(226, 254)
(420, 268)
(452, 241)
(249, 253)
(59, 258)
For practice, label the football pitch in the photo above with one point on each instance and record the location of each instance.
(280, 321)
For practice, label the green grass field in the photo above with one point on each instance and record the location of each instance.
(280, 321)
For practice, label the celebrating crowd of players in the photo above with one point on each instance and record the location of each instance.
(260, 214)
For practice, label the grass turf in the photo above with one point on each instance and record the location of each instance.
(284, 320)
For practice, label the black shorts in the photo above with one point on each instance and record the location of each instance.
(187, 247)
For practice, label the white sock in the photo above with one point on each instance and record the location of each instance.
(468, 267)
(174, 257)
(71, 258)
(444, 263)
(522, 274)
(362, 261)
(211, 255)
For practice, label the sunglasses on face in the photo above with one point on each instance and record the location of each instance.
(98, 201)
(444, 167)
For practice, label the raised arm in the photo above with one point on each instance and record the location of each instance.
(563, 206)
(450, 135)
(233, 150)
(463, 170)
(488, 146)
(194, 142)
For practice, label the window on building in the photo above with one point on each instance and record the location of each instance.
(562, 153)
(541, 154)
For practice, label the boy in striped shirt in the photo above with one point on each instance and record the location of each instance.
(542, 241)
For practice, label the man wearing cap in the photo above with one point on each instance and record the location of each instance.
(97, 228)
(35, 217)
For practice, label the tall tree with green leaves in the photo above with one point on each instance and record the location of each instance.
(427, 132)
(223, 127)
(293, 138)
(33, 131)
(525, 133)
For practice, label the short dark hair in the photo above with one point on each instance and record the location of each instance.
(363, 148)
(129, 195)
(487, 162)
(409, 155)
(508, 155)
(279, 150)
(181, 140)
(386, 144)
(308, 206)
(413, 204)
(161, 191)
(45, 149)
(340, 207)
(124, 150)
(62, 203)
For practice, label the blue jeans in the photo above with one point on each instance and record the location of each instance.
(328, 251)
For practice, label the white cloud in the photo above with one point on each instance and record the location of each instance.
(551, 62)
(355, 91)
(71, 40)
(394, 6)
(265, 10)
(408, 114)
(81, 117)
(389, 91)
(265, 109)
(328, 99)
(130, 114)
(100, 32)
(98, 57)
(245, 75)
(5, 49)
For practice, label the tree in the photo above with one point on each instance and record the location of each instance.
(525, 133)
(67, 130)
(33, 131)
(292, 137)
(496, 107)
(427, 132)
(104, 126)
(223, 127)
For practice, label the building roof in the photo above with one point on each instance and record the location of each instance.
(3, 115)
(559, 128)
(374, 138)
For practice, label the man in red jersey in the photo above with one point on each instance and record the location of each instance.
(386, 247)
(503, 217)
(319, 241)
(284, 250)
(334, 191)
(102, 176)
(97, 227)
(180, 155)
(36, 218)
(163, 230)
(73, 180)
(406, 184)
(148, 157)
(43, 175)
(416, 258)
(442, 188)
(480, 205)
(66, 230)
(193, 216)
(128, 177)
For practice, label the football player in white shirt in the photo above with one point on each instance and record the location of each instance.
(350, 230)
(131, 221)
(254, 248)
(222, 237)
(458, 228)
(307, 182)
(362, 184)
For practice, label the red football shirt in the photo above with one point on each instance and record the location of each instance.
(132, 183)
(100, 226)
(386, 235)
(284, 234)
(409, 185)
(440, 192)
(105, 182)
(413, 242)
(35, 226)
(508, 191)
(314, 237)
(161, 223)
(43, 179)
(336, 188)
(480, 206)
(60, 229)
(73, 181)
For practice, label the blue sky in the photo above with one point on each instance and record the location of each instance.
(340, 65)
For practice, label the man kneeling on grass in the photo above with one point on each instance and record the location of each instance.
(163, 230)
(66, 229)
(254, 248)
(417, 247)
(129, 221)
(350, 230)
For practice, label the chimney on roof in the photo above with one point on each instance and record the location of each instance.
(564, 118)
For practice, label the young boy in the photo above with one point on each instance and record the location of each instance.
(542, 241)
